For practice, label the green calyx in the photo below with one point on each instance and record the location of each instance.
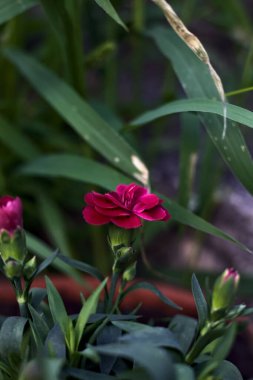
(13, 246)
(124, 259)
(30, 268)
(129, 273)
(13, 269)
(119, 238)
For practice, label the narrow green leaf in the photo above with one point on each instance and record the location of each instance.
(228, 371)
(83, 267)
(225, 343)
(154, 360)
(247, 311)
(16, 141)
(94, 318)
(48, 261)
(130, 326)
(56, 341)
(155, 336)
(200, 302)
(197, 82)
(184, 329)
(36, 296)
(107, 6)
(135, 373)
(88, 308)
(108, 334)
(184, 216)
(55, 11)
(83, 374)
(108, 114)
(79, 114)
(11, 336)
(6, 369)
(12, 8)
(57, 307)
(42, 250)
(202, 342)
(206, 368)
(184, 372)
(75, 168)
(207, 185)
(51, 368)
(189, 141)
(234, 113)
(39, 326)
(152, 289)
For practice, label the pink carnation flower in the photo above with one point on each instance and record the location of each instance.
(125, 207)
(10, 214)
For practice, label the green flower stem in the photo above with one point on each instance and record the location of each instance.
(74, 53)
(21, 297)
(107, 319)
(207, 335)
(139, 15)
(112, 290)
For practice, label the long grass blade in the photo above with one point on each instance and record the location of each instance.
(80, 116)
(198, 83)
(12, 8)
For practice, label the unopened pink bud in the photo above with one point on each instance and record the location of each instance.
(11, 214)
(231, 273)
(12, 235)
(225, 289)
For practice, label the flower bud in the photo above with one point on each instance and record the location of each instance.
(225, 289)
(11, 214)
(119, 238)
(130, 273)
(13, 246)
(12, 236)
(30, 268)
(13, 269)
(125, 258)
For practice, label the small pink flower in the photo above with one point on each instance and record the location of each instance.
(124, 207)
(11, 214)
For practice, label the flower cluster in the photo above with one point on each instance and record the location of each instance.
(125, 207)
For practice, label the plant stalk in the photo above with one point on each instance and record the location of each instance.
(21, 296)
(112, 290)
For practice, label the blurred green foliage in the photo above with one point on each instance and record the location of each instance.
(74, 75)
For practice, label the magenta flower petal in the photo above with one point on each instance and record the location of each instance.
(89, 199)
(127, 222)
(5, 199)
(146, 202)
(112, 211)
(102, 201)
(139, 192)
(11, 213)
(91, 216)
(135, 190)
(156, 213)
(120, 189)
(115, 199)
